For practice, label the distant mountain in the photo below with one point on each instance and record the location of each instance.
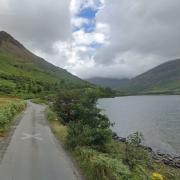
(108, 82)
(23, 72)
(163, 79)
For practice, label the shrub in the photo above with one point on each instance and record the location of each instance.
(83, 135)
(135, 138)
(64, 104)
(50, 114)
(39, 101)
(86, 125)
(8, 112)
(102, 167)
(135, 155)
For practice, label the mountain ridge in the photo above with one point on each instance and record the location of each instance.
(162, 79)
(107, 82)
(21, 71)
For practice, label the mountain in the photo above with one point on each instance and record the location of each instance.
(23, 72)
(108, 82)
(163, 79)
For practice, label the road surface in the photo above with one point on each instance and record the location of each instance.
(33, 152)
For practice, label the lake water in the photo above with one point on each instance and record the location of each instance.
(157, 117)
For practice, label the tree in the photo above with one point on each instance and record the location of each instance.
(86, 125)
(64, 105)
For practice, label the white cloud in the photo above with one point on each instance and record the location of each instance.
(77, 5)
(36, 23)
(4, 6)
(103, 28)
(79, 21)
(143, 34)
(134, 35)
(78, 51)
(82, 38)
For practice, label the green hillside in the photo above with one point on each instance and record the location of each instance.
(22, 72)
(163, 79)
(108, 82)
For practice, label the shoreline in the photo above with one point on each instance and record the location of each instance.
(168, 159)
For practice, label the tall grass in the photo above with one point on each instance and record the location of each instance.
(58, 129)
(100, 166)
(8, 112)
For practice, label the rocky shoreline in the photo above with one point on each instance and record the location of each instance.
(167, 159)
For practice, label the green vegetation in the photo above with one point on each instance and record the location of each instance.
(86, 126)
(74, 117)
(163, 79)
(39, 101)
(108, 82)
(28, 79)
(27, 75)
(101, 166)
(86, 133)
(9, 108)
(58, 128)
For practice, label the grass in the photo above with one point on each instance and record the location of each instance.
(6, 100)
(39, 101)
(110, 165)
(58, 128)
(9, 108)
(168, 172)
(33, 77)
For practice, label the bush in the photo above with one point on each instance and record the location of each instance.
(135, 138)
(50, 114)
(86, 125)
(135, 155)
(39, 101)
(102, 167)
(8, 112)
(84, 135)
(64, 104)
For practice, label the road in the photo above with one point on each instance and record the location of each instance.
(34, 153)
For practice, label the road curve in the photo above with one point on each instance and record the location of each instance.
(33, 152)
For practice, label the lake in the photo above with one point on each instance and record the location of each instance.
(157, 117)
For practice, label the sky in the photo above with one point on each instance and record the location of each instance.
(96, 38)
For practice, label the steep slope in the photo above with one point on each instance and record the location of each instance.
(23, 72)
(108, 82)
(164, 78)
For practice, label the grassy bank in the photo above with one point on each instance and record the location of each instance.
(58, 128)
(39, 101)
(112, 164)
(9, 108)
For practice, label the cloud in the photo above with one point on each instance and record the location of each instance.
(145, 29)
(36, 23)
(108, 38)
(78, 5)
(135, 36)
(82, 38)
(79, 21)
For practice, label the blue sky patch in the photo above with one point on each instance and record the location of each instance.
(88, 28)
(88, 13)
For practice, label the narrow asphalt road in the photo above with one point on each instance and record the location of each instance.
(33, 152)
